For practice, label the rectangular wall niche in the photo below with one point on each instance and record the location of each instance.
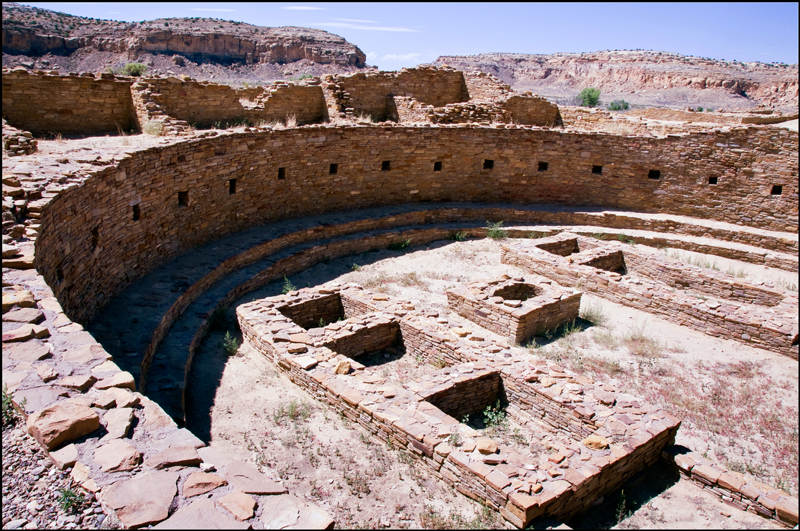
(597, 170)
(437, 166)
(183, 199)
(777, 189)
(543, 166)
(281, 174)
(386, 165)
(712, 180)
(334, 169)
(654, 174)
(488, 164)
(231, 186)
(136, 213)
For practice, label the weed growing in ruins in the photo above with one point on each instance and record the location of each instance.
(640, 344)
(455, 439)
(356, 267)
(287, 285)
(68, 500)
(364, 118)
(291, 120)
(536, 235)
(153, 127)
(495, 418)
(624, 238)
(494, 230)
(599, 236)
(785, 284)
(593, 312)
(458, 236)
(293, 411)
(10, 415)
(230, 344)
(622, 512)
(399, 245)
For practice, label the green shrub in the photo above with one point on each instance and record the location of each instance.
(699, 109)
(618, 105)
(10, 416)
(287, 285)
(399, 245)
(494, 231)
(458, 236)
(134, 69)
(230, 344)
(68, 500)
(589, 97)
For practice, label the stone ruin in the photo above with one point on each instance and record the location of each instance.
(457, 149)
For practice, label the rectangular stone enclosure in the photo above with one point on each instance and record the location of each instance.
(516, 308)
(580, 440)
(710, 301)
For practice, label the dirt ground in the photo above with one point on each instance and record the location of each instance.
(738, 404)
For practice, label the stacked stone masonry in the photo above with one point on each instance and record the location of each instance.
(200, 170)
(515, 308)
(414, 415)
(692, 296)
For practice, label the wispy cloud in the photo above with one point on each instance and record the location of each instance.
(357, 20)
(210, 9)
(303, 8)
(357, 26)
(372, 55)
(395, 57)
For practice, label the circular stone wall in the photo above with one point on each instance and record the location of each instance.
(127, 219)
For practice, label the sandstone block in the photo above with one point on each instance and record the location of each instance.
(117, 456)
(247, 479)
(122, 379)
(175, 456)
(486, 445)
(786, 510)
(81, 382)
(595, 442)
(21, 298)
(28, 351)
(290, 512)
(118, 421)
(342, 367)
(58, 424)
(65, 457)
(240, 505)
(45, 372)
(201, 514)
(142, 500)
(199, 483)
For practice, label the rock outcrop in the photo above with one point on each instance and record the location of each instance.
(770, 84)
(36, 32)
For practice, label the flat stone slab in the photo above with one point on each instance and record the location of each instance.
(240, 505)
(28, 351)
(84, 354)
(25, 315)
(144, 499)
(65, 457)
(201, 514)
(117, 456)
(176, 456)
(247, 479)
(116, 396)
(122, 379)
(118, 422)
(26, 332)
(290, 512)
(80, 382)
(200, 482)
(57, 424)
(35, 398)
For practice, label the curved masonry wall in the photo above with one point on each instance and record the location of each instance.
(182, 196)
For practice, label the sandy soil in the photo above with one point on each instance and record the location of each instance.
(258, 414)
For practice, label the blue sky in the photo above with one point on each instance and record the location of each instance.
(397, 35)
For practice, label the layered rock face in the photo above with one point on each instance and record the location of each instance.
(774, 85)
(36, 32)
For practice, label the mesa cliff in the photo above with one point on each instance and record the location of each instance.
(636, 75)
(32, 35)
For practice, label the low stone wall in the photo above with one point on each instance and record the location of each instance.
(776, 330)
(516, 315)
(16, 142)
(76, 104)
(629, 435)
(735, 489)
